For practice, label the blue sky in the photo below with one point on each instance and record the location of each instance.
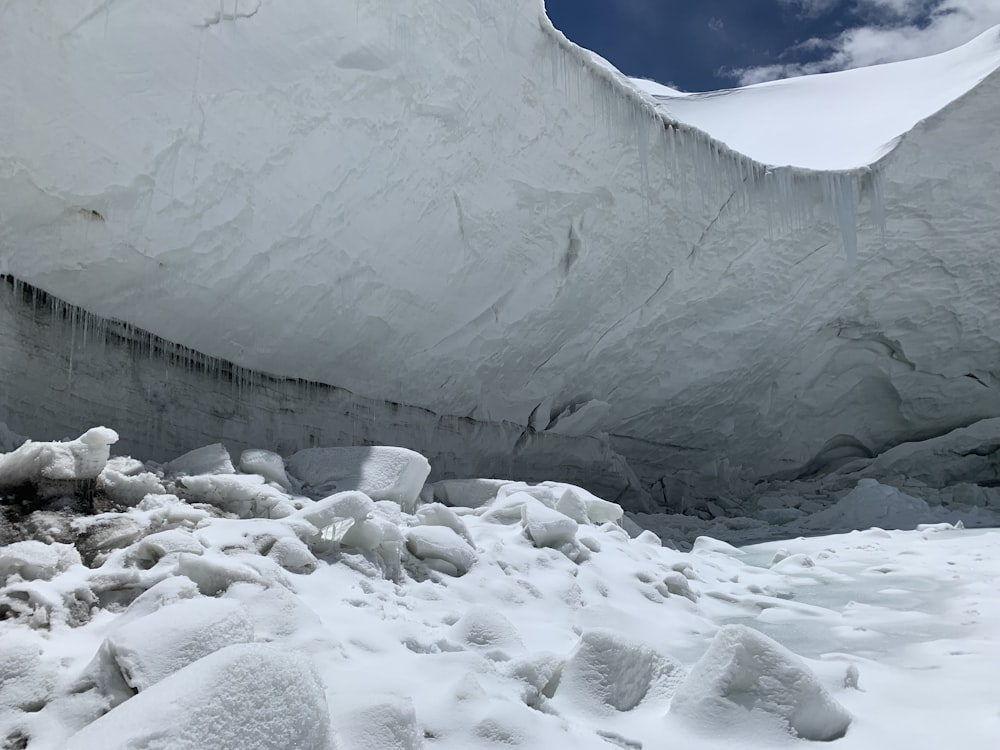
(699, 45)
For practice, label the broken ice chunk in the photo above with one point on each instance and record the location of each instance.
(83, 458)
(381, 472)
(441, 543)
(33, 560)
(248, 695)
(609, 672)
(209, 459)
(745, 678)
(153, 647)
(269, 465)
(546, 527)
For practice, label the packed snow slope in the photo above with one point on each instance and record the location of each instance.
(450, 206)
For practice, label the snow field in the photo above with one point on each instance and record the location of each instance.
(526, 617)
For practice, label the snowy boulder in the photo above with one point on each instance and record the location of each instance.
(539, 673)
(209, 459)
(508, 508)
(150, 648)
(547, 527)
(74, 460)
(216, 573)
(570, 500)
(871, 504)
(381, 472)
(390, 724)
(486, 628)
(108, 531)
(437, 514)
(25, 681)
(159, 596)
(366, 534)
(151, 549)
(276, 612)
(341, 519)
(609, 672)
(747, 678)
(269, 465)
(354, 505)
(441, 544)
(129, 489)
(595, 510)
(706, 545)
(648, 537)
(467, 493)
(243, 696)
(33, 560)
(293, 555)
(246, 495)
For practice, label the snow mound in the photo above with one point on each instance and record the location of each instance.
(387, 725)
(74, 460)
(442, 548)
(33, 560)
(382, 473)
(546, 527)
(871, 504)
(436, 514)
(246, 495)
(609, 672)
(468, 493)
(353, 505)
(128, 489)
(209, 459)
(484, 628)
(267, 464)
(153, 647)
(242, 696)
(747, 678)
(25, 682)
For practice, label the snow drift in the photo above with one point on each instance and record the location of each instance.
(173, 623)
(486, 235)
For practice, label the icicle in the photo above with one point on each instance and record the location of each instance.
(838, 189)
(877, 199)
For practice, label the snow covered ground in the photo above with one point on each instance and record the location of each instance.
(332, 599)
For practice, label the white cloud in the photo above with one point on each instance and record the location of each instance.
(900, 35)
(811, 8)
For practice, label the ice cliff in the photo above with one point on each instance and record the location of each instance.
(444, 226)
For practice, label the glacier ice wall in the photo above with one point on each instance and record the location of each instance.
(62, 365)
(448, 206)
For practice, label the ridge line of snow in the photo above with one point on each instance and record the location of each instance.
(622, 85)
(937, 116)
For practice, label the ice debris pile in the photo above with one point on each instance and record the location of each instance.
(207, 603)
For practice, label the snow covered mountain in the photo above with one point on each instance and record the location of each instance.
(490, 245)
